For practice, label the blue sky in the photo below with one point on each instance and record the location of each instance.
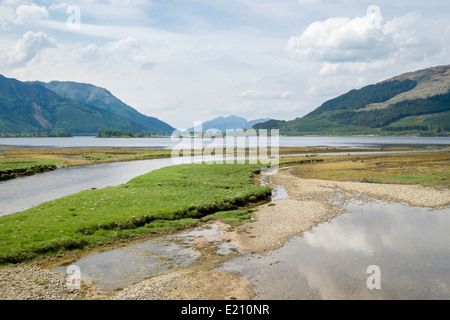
(193, 60)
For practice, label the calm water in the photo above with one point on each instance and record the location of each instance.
(90, 142)
(25, 192)
(122, 267)
(410, 245)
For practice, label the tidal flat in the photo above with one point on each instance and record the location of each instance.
(25, 241)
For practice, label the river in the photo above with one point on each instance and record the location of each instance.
(408, 244)
(25, 192)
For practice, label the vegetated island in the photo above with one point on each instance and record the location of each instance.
(64, 134)
(17, 162)
(106, 133)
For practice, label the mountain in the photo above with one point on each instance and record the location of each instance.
(103, 99)
(414, 103)
(230, 122)
(29, 107)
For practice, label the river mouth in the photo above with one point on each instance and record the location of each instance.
(408, 246)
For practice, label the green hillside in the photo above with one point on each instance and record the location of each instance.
(103, 99)
(27, 107)
(416, 103)
(30, 107)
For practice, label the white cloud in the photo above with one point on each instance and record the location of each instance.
(308, 2)
(166, 57)
(14, 12)
(29, 46)
(358, 44)
(128, 53)
(254, 94)
(29, 13)
(60, 6)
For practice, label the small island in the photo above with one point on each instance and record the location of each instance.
(125, 134)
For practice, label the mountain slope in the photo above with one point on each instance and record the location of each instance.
(230, 122)
(412, 103)
(28, 107)
(103, 99)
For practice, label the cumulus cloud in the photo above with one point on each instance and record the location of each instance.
(356, 44)
(254, 94)
(27, 13)
(29, 46)
(17, 13)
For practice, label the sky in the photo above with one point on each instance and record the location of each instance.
(193, 60)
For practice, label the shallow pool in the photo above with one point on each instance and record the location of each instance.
(377, 250)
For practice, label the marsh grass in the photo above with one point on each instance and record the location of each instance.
(233, 217)
(427, 169)
(15, 167)
(169, 198)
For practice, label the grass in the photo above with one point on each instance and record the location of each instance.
(14, 167)
(233, 217)
(83, 156)
(16, 162)
(427, 169)
(23, 163)
(169, 198)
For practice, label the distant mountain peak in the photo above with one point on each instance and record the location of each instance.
(233, 122)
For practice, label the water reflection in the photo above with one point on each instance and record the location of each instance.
(409, 244)
(121, 267)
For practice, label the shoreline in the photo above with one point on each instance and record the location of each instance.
(309, 202)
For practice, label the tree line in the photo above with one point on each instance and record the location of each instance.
(383, 117)
(106, 133)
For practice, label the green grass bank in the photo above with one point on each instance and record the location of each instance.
(169, 198)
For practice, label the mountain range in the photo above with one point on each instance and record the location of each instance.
(230, 122)
(78, 108)
(413, 103)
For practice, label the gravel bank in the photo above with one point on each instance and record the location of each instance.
(33, 283)
(309, 202)
(189, 285)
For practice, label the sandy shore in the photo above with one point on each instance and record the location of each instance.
(309, 202)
